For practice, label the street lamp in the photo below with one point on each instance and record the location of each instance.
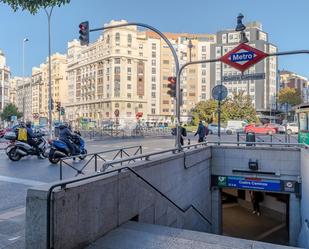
(48, 14)
(24, 41)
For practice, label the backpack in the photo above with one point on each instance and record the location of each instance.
(22, 134)
(183, 131)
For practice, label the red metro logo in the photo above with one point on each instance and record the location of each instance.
(242, 57)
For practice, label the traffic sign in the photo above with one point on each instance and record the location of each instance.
(243, 56)
(219, 92)
(240, 77)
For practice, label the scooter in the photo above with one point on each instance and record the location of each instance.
(19, 149)
(59, 149)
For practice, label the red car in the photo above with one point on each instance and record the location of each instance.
(261, 129)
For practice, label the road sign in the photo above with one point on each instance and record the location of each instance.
(116, 112)
(241, 77)
(219, 92)
(243, 56)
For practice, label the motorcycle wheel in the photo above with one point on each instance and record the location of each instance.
(51, 157)
(83, 156)
(13, 156)
(8, 149)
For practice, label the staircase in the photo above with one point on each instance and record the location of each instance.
(133, 235)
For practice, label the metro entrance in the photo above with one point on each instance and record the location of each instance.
(278, 221)
(239, 219)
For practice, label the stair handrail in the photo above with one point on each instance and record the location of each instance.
(63, 184)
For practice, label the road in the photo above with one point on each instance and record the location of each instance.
(17, 177)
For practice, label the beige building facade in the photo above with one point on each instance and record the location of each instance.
(4, 82)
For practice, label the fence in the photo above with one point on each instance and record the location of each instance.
(96, 158)
(271, 138)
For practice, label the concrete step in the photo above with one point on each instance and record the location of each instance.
(133, 235)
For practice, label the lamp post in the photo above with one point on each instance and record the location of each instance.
(49, 14)
(24, 41)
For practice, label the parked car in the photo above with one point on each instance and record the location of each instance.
(290, 128)
(234, 126)
(213, 129)
(261, 129)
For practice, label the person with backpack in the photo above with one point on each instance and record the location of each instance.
(183, 133)
(31, 141)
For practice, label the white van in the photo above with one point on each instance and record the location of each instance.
(234, 126)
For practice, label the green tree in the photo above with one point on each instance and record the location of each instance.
(239, 107)
(33, 5)
(289, 95)
(10, 110)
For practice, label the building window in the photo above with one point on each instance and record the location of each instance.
(129, 95)
(203, 49)
(129, 105)
(153, 87)
(153, 78)
(117, 38)
(129, 77)
(166, 102)
(129, 70)
(129, 61)
(203, 88)
(166, 62)
(140, 105)
(129, 39)
(153, 111)
(129, 86)
(203, 72)
(153, 46)
(117, 60)
(153, 54)
(116, 105)
(117, 70)
(203, 80)
(153, 70)
(203, 95)
(153, 94)
(140, 46)
(153, 62)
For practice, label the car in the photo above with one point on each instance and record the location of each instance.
(290, 128)
(213, 129)
(234, 126)
(260, 129)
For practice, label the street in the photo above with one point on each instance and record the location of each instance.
(17, 177)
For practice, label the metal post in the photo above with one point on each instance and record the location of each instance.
(286, 122)
(49, 73)
(95, 163)
(238, 138)
(60, 169)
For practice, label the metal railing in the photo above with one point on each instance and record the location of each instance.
(272, 138)
(119, 170)
(270, 144)
(96, 157)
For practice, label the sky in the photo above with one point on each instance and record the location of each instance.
(286, 22)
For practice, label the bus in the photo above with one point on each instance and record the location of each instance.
(303, 123)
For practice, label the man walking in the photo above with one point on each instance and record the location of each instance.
(201, 132)
(256, 198)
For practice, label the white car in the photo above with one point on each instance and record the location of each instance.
(213, 129)
(290, 128)
(234, 126)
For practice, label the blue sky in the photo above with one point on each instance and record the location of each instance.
(286, 22)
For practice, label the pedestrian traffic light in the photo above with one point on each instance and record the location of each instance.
(172, 86)
(58, 107)
(84, 33)
(62, 111)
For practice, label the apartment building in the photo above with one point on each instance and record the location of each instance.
(293, 80)
(108, 78)
(23, 95)
(195, 80)
(4, 81)
(263, 92)
(40, 86)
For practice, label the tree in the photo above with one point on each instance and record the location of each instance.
(33, 5)
(289, 95)
(236, 107)
(239, 107)
(10, 110)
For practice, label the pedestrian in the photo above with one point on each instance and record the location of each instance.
(256, 198)
(201, 132)
(183, 133)
(206, 131)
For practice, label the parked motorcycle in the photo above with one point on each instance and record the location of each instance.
(18, 149)
(59, 149)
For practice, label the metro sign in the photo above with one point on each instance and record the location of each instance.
(243, 56)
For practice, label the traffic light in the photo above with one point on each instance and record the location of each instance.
(58, 107)
(62, 111)
(172, 86)
(84, 33)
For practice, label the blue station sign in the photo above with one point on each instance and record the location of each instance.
(258, 184)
